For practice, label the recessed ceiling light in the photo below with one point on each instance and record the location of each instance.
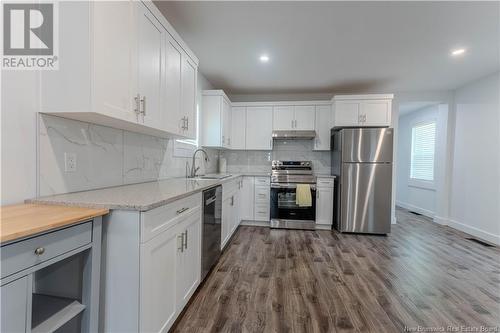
(457, 52)
(264, 58)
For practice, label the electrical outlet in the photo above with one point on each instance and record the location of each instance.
(70, 162)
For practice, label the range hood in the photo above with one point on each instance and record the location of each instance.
(294, 135)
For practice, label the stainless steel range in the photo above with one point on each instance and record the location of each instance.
(286, 211)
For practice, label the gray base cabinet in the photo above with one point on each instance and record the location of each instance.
(51, 281)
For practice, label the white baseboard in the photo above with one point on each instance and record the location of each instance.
(487, 236)
(440, 220)
(416, 209)
(255, 223)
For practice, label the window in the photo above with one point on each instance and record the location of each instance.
(185, 148)
(423, 147)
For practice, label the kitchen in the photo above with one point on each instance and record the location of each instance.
(222, 191)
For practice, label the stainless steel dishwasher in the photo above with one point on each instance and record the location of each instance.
(211, 234)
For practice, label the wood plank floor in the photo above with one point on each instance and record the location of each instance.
(421, 274)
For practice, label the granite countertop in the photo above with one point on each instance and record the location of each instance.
(140, 197)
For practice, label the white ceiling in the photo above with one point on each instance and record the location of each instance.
(350, 47)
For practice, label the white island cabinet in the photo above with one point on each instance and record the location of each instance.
(152, 265)
(121, 64)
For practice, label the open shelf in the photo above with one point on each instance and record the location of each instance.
(51, 312)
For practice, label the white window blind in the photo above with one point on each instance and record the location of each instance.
(423, 146)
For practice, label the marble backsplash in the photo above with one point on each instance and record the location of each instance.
(260, 161)
(105, 157)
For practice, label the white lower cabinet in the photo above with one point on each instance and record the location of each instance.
(170, 273)
(158, 282)
(231, 209)
(152, 265)
(247, 199)
(324, 202)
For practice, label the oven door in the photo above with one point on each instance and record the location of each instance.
(284, 206)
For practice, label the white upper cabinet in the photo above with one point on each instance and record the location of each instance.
(226, 123)
(238, 127)
(362, 110)
(323, 125)
(290, 117)
(283, 118)
(216, 119)
(188, 103)
(304, 117)
(172, 96)
(151, 44)
(259, 128)
(122, 65)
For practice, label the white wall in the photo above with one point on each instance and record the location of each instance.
(421, 200)
(475, 177)
(105, 156)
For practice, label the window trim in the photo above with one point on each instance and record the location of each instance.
(421, 183)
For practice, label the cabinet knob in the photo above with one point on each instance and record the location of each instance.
(39, 251)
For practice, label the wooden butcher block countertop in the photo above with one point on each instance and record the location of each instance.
(24, 220)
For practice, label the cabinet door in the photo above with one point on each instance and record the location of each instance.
(114, 55)
(158, 306)
(238, 128)
(376, 113)
(226, 123)
(188, 93)
(247, 199)
(304, 117)
(259, 128)
(172, 92)
(226, 222)
(324, 205)
(14, 301)
(324, 124)
(283, 118)
(151, 40)
(346, 113)
(189, 263)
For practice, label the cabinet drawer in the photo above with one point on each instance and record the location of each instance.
(21, 255)
(262, 181)
(262, 195)
(324, 182)
(262, 212)
(156, 220)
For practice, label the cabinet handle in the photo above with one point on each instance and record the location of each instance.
(187, 123)
(292, 123)
(232, 200)
(185, 239)
(180, 238)
(182, 210)
(39, 251)
(223, 139)
(364, 118)
(137, 108)
(295, 123)
(143, 103)
(228, 141)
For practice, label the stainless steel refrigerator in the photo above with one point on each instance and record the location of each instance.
(362, 164)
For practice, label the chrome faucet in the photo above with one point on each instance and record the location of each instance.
(194, 169)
